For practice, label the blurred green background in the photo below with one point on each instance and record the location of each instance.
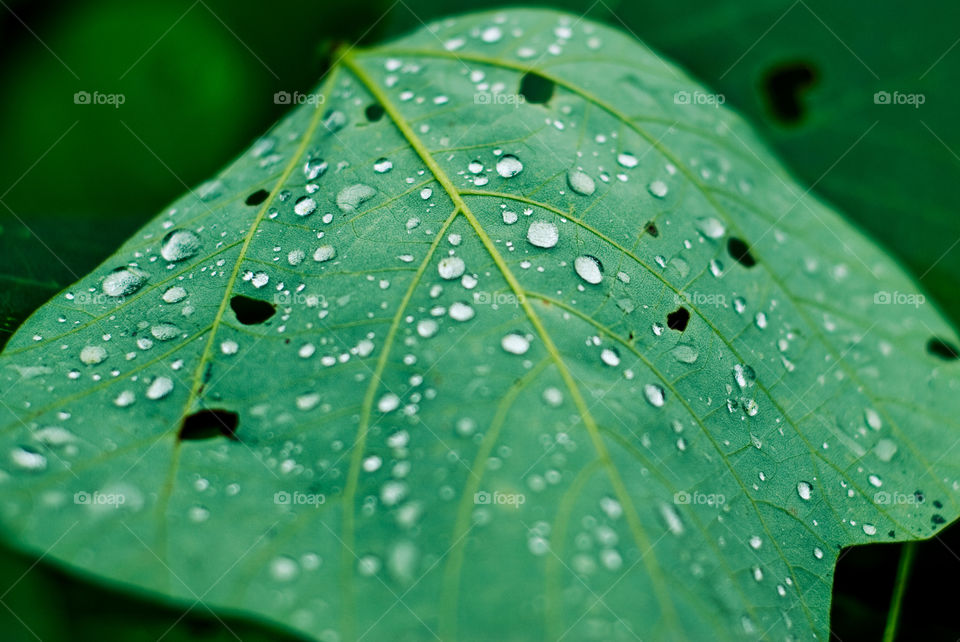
(198, 80)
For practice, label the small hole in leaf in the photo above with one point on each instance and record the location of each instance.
(678, 319)
(251, 311)
(207, 424)
(535, 88)
(652, 229)
(943, 349)
(374, 112)
(785, 86)
(740, 252)
(257, 197)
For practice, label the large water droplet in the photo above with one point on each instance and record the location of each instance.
(655, 395)
(509, 166)
(124, 281)
(580, 182)
(589, 268)
(543, 234)
(178, 245)
(92, 355)
(350, 198)
(515, 343)
(451, 267)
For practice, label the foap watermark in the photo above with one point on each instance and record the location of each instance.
(698, 98)
(899, 98)
(484, 297)
(899, 298)
(97, 498)
(696, 498)
(486, 498)
(297, 98)
(895, 498)
(493, 98)
(98, 98)
(95, 298)
(299, 298)
(700, 299)
(298, 498)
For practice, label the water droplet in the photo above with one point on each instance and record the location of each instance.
(388, 403)
(580, 182)
(509, 166)
(475, 167)
(124, 281)
(610, 356)
(178, 245)
(869, 529)
(175, 294)
(164, 331)
(491, 34)
(711, 227)
(426, 328)
(818, 553)
(28, 459)
(875, 481)
(756, 542)
(655, 394)
(284, 569)
(383, 165)
(124, 399)
(451, 267)
(543, 234)
(305, 206)
(885, 449)
(627, 160)
(160, 388)
(324, 253)
(350, 198)
(804, 489)
(553, 397)
(684, 353)
(229, 347)
(589, 268)
(658, 189)
(515, 343)
(873, 418)
(314, 168)
(92, 355)
(461, 311)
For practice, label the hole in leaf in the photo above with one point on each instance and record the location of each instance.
(257, 197)
(943, 349)
(785, 86)
(678, 319)
(740, 252)
(251, 311)
(535, 88)
(652, 229)
(374, 112)
(207, 424)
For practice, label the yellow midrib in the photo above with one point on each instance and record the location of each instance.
(640, 537)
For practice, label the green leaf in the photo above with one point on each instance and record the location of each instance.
(432, 360)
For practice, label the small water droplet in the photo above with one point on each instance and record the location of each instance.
(804, 489)
(655, 395)
(515, 343)
(160, 388)
(92, 355)
(124, 281)
(451, 267)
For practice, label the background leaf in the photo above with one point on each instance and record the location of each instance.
(765, 382)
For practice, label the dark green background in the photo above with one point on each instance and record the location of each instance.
(199, 78)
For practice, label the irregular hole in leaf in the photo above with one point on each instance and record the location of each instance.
(740, 253)
(535, 88)
(374, 112)
(784, 86)
(652, 230)
(678, 319)
(210, 423)
(944, 349)
(257, 197)
(250, 311)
